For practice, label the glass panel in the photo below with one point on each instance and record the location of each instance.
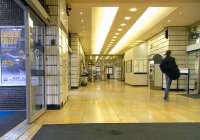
(37, 64)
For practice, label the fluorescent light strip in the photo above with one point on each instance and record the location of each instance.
(151, 17)
(102, 19)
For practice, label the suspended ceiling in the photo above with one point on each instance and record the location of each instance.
(186, 12)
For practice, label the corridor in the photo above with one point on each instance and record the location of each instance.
(115, 102)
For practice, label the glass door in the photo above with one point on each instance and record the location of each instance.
(36, 68)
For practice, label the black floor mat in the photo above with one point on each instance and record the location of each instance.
(193, 96)
(138, 131)
(10, 119)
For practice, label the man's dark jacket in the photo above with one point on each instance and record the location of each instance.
(169, 67)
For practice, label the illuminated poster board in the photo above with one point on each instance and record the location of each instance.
(12, 49)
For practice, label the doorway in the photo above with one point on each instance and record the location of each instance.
(35, 67)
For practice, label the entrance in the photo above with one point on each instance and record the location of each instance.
(35, 67)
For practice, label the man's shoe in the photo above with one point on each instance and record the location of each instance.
(165, 97)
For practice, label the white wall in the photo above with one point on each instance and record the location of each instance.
(138, 52)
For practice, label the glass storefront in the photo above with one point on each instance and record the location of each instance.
(13, 95)
(22, 69)
(37, 69)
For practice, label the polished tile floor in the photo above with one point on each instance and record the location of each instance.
(116, 102)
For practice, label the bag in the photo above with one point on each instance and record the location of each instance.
(169, 67)
(174, 74)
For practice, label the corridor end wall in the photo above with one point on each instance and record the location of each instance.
(136, 65)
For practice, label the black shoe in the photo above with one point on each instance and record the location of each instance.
(165, 97)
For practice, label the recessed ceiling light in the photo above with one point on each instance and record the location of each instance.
(119, 29)
(180, 12)
(116, 33)
(151, 17)
(114, 36)
(82, 20)
(168, 20)
(81, 13)
(113, 40)
(133, 9)
(127, 18)
(123, 24)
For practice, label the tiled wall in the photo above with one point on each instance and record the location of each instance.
(52, 56)
(56, 51)
(75, 61)
(176, 42)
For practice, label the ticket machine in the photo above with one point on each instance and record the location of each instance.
(155, 74)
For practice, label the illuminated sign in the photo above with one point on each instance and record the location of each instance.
(12, 49)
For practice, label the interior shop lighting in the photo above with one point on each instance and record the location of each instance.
(116, 33)
(151, 17)
(102, 19)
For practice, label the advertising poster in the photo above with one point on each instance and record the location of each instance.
(12, 49)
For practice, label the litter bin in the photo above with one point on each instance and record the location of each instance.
(84, 80)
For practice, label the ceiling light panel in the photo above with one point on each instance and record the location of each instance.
(151, 17)
(102, 19)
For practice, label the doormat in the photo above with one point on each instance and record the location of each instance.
(138, 131)
(193, 96)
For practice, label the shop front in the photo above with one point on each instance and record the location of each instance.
(22, 69)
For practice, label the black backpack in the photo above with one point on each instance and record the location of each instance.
(169, 67)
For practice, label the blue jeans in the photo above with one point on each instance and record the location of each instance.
(168, 84)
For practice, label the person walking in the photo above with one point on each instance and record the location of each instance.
(170, 69)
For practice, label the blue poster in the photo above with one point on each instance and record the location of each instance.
(13, 57)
